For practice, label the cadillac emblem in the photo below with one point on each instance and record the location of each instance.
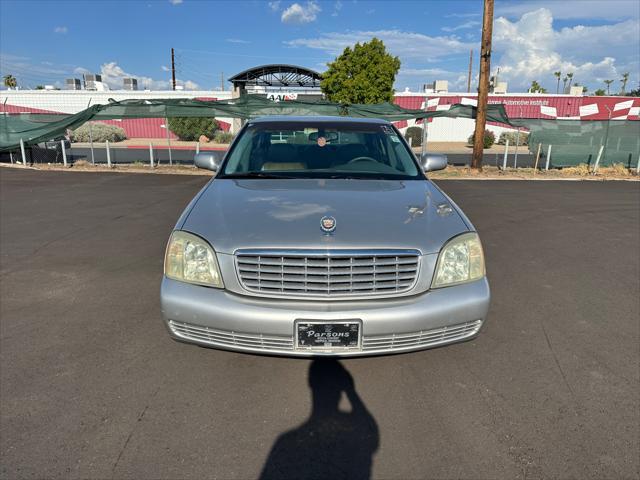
(328, 224)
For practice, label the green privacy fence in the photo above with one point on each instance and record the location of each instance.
(36, 128)
(574, 141)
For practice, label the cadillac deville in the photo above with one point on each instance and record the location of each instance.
(323, 236)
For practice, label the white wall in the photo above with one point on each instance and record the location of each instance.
(73, 101)
(455, 129)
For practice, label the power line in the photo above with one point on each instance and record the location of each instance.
(206, 52)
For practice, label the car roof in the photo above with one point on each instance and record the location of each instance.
(318, 118)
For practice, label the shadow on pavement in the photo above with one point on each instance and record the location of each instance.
(332, 443)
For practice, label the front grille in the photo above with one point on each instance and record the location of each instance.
(373, 344)
(331, 273)
(231, 338)
(423, 338)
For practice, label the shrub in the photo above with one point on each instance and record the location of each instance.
(489, 138)
(191, 128)
(513, 136)
(223, 137)
(415, 134)
(101, 132)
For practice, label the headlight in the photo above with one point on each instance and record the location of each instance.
(191, 259)
(461, 260)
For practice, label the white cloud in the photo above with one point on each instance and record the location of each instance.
(567, 9)
(61, 30)
(164, 68)
(413, 49)
(409, 76)
(426, 72)
(462, 15)
(113, 75)
(30, 73)
(237, 40)
(531, 49)
(406, 45)
(275, 6)
(175, 2)
(189, 85)
(299, 14)
(336, 8)
(462, 26)
(27, 73)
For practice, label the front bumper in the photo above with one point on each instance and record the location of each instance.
(221, 319)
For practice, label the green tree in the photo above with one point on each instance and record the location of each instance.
(564, 84)
(364, 74)
(39, 87)
(557, 75)
(570, 77)
(415, 134)
(608, 83)
(599, 92)
(10, 81)
(624, 80)
(191, 128)
(537, 88)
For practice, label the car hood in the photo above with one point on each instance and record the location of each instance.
(285, 213)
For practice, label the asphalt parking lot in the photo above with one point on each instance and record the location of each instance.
(92, 386)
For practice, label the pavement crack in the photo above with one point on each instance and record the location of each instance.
(555, 358)
(126, 443)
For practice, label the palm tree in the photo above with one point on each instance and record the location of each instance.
(10, 81)
(570, 77)
(537, 88)
(608, 82)
(564, 84)
(624, 80)
(558, 75)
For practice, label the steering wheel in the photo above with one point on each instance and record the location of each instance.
(361, 159)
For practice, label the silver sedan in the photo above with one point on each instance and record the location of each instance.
(323, 236)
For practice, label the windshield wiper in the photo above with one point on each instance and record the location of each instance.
(256, 175)
(357, 177)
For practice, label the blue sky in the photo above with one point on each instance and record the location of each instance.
(43, 42)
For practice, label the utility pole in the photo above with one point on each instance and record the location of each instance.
(173, 70)
(483, 85)
(222, 81)
(470, 70)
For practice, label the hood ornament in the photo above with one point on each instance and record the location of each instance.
(328, 225)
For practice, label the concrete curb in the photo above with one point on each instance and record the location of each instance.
(159, 171)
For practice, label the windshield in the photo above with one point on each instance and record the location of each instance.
(320, 150)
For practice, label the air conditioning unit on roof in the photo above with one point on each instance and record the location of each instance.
(441, 86)
(72, 84)
(130, 83)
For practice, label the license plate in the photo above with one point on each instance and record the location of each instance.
(328, 335)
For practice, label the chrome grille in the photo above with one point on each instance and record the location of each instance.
(327, 273)
(231, 338)
(371, 344)
(423, 338)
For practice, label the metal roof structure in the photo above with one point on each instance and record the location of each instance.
(277, 75)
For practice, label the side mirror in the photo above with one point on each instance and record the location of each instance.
(433, 161)
(208, 161)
